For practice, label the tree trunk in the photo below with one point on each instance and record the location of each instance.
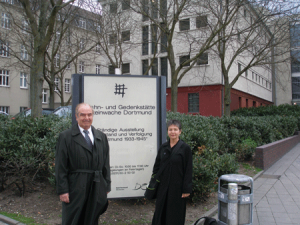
(36, 84)
(227, 98)
(51, 91)
(174, 93)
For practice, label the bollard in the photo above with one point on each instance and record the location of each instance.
(235, 202)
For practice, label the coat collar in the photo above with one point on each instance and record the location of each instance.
(78, 137)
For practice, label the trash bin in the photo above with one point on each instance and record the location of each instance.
(235, 201)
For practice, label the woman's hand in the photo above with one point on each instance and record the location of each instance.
(185, 195)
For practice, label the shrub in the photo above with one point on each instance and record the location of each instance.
(27, 148)
(207, 167)
(246, 149)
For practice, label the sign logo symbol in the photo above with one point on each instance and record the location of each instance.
(120, 89)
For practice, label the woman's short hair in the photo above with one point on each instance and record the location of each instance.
(174, 122)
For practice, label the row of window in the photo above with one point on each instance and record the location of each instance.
(113, 7)
(125, 36)
(5, 81)
(185, 24)
(255, 78)
(5, 48)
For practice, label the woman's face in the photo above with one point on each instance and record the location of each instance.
(174, 132)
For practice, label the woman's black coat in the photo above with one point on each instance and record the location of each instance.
(175, 180)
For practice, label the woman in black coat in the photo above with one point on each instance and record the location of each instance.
(176, 179)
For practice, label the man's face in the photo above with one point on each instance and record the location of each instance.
(85, 116)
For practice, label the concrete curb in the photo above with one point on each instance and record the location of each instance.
(214, 211)
(9, 221)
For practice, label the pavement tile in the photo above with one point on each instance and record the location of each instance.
(277, 208)
(291, 209)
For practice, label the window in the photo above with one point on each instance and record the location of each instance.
(4, 109)
(68, 37)
(203, 59)
(201, 21)
(67, 85)
(125, 4)
(126, 35)
(163, 8)
(245, 13)
(239, 67)
(81, 67)
(44, 93)
(22, 108)
(112, 39)
(25, 26)
(145, 10)
(23, 80)
(97, 69)
(8, 1)
(295, 61)
(57, 36)
(111, 69)
(164, 40)
(81, 44)
(154, 68)
(125, 68)
(253, 75)
(56, 60)
(113, 8)
(193, 102)
(145, 67)
(145, 40)
(56, 83)
(5, 21)
(184, 58)
(4, 51)
(82, 23)
(295, 35)
(4, 78)
(67, 60)
(154, 38)
(24, 53)
(246, 73)
(98, 48)
(97, 27)
(184, 24)
(164, 67)
(154, 8)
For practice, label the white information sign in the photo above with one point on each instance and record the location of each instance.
(125, 109)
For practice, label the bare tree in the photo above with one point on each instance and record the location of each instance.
(75, 37)
(256, 37)
(37, 18)
(173, 20)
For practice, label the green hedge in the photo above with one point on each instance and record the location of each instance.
(27, 148)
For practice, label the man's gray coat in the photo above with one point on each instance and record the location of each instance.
(84, 174)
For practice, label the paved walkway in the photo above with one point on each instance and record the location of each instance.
(277, 192)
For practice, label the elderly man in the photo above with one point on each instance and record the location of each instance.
(82, 170)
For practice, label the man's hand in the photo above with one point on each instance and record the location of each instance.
(64, 198)
(185, 195)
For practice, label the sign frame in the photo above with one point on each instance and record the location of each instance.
(78, 87)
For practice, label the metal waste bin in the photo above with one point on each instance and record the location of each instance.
(235, 201)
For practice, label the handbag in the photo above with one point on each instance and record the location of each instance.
(151, 190)
(208, 221)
